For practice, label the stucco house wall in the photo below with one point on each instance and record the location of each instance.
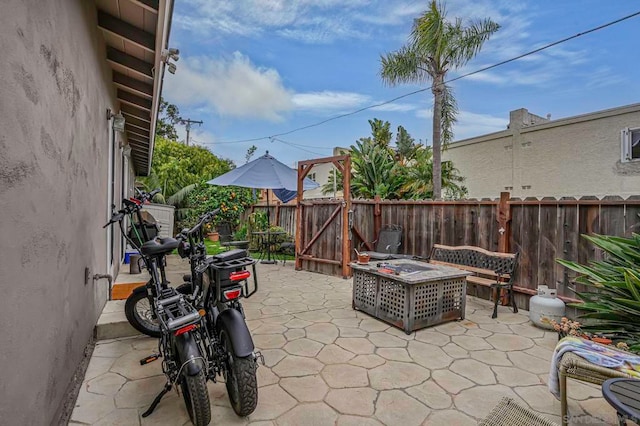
(574, 157)
(54, 147)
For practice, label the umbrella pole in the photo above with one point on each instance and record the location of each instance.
(268, 260)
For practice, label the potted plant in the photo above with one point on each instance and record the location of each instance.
(211, 233)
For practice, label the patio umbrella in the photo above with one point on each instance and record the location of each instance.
(265, 173)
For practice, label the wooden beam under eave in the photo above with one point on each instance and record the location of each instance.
(133, 85)
(130, 62)
(136, 112)
(138, 140)
(129, 32)
(138, 101)
(136, 131)
(150, 5)
(136, 122)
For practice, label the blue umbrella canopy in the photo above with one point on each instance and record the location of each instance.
(264, 172)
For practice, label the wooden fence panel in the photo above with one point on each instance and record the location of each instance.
(547, 245)
(541, 231)
(566, 246)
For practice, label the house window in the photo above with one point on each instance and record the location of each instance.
(312, 176)
(631, 144)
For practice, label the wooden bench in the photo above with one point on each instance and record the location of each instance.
(490, 269)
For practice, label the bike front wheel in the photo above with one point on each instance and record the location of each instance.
(196, 398)
(240, 379)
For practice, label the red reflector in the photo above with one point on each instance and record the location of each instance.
(232, 294)
(237, 276)
(185, 329)
(138, 202)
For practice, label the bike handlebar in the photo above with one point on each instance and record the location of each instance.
(133, 205)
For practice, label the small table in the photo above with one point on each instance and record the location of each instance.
(624, 396)
(266, 240)
(409, 294)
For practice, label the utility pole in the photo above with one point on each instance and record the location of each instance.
(187, 123)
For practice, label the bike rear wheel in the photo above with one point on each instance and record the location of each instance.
(138, 310)
(139, 313)
(240, 379)
(196, 398)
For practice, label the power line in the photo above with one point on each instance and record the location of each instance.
(547, 46)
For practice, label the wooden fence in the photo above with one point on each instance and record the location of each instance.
(540, 230)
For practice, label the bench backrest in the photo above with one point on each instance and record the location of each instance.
(476, 257)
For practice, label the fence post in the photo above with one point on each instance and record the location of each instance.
(504, 222)
(377, 217)
(346, 242)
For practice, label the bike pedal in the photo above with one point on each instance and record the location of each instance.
(149, 359)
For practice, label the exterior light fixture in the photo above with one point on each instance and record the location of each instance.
(118, 120)
(126, 150)
(172, 54)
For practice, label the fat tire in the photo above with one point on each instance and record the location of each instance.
(140, 324)
(242, 371)
(196, 398)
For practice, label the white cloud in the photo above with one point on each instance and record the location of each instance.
(309, 21)
(395, 107)
(471, 124)
(329, 101)
(233, 87)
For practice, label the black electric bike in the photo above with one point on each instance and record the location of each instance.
(200, 324)
(183, 362)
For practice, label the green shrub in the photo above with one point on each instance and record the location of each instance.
(231, 200)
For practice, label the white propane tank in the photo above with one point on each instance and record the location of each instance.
(546, 304)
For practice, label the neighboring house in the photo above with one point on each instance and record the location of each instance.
(321, 173)
(592, 154)
(64, 64)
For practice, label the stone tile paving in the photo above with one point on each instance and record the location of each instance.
(326, 364)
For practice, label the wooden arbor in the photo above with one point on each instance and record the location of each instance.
(339, 214)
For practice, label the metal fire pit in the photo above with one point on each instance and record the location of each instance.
(409, 294)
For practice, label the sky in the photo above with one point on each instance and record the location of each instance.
(255, 68)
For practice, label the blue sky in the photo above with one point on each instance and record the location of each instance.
(255, 68)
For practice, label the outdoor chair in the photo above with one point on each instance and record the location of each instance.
(578, 368)
(226, 237)
(510, 413)
(388, 244)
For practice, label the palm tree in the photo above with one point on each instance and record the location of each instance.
(435, 47)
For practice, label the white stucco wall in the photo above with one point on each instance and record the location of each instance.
(571, 157)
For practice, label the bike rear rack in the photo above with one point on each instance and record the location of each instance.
(227, 263)
(175, 312)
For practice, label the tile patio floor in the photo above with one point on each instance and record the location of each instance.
(329, 365)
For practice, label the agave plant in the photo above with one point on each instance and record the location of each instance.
(612, 300)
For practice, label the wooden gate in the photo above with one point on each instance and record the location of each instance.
(327, 224)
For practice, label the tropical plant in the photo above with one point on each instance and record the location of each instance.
(177, 168)
(612, 300)
(403, 172)
(435, 47)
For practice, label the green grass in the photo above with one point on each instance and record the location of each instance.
(215, 248)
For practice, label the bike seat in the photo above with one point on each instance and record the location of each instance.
(159, 246)
(230, 255)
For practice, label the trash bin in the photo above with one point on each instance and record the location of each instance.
(134, 266)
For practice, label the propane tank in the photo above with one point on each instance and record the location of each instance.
(546, 304)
